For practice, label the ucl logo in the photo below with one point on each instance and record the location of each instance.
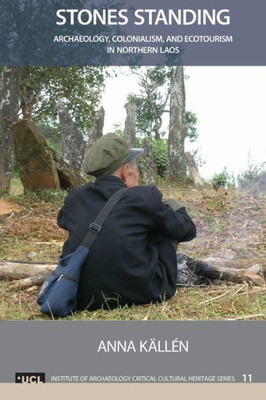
(30, 377)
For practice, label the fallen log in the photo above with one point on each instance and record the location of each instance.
(217, 268)
(26, 274)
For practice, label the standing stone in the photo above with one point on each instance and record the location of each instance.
(35, 161)
(259, 188)
(96, 131)
(73, 143)
(130, 124)
(193, 169)
(9, 107)
(177, 127)
(67, 177)
(148, 163)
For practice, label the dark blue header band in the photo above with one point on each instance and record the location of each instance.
(133, 32)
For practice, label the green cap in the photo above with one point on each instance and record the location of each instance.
(107, 154)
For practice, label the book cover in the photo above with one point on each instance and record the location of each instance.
(186, 81)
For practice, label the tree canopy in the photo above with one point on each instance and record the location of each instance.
(153, 102)
(154, 85)
(78, 87)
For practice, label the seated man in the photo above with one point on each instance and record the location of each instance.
(132, 260)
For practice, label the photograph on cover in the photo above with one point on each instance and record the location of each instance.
(164, 103)
(198, 137)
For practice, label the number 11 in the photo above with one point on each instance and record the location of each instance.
(247, 378)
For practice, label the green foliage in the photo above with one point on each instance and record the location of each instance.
(117, 129)
(52, 197)
(79, 87)
(200, 303)
(153, 102)
(159, 150)
(52, 135)
(160, 156)
(191, 126)
(15, 170)
(158, 76)
(222, 180)
(154, 85)
(251, 175)
(144, 115)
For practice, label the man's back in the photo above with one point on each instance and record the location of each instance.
(132, 259)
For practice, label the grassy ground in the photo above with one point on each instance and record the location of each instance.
(230, 224)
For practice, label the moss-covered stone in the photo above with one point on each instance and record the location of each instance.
(35, 161)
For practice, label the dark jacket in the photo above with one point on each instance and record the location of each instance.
(132, 260)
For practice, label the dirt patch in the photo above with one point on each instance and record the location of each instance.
(36, 228)
(7, 207)
(31, 232)
(230, 224)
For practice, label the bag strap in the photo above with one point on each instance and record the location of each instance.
(96, 226)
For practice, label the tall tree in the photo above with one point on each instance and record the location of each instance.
(177, 127)
(154, 101)
(9, 106)
(154, 85)
(162, 91)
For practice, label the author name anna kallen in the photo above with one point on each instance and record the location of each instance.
(144, 346)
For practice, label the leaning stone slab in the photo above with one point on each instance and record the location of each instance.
(35, 161)
(40, 166)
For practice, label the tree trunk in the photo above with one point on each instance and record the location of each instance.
(9, 107)
(29, 92)
(73, 142)
(130, 124)
(28, 274)
(148, 167)
(177, 127)
(194, 172)
(157, 128)
(25, 274)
